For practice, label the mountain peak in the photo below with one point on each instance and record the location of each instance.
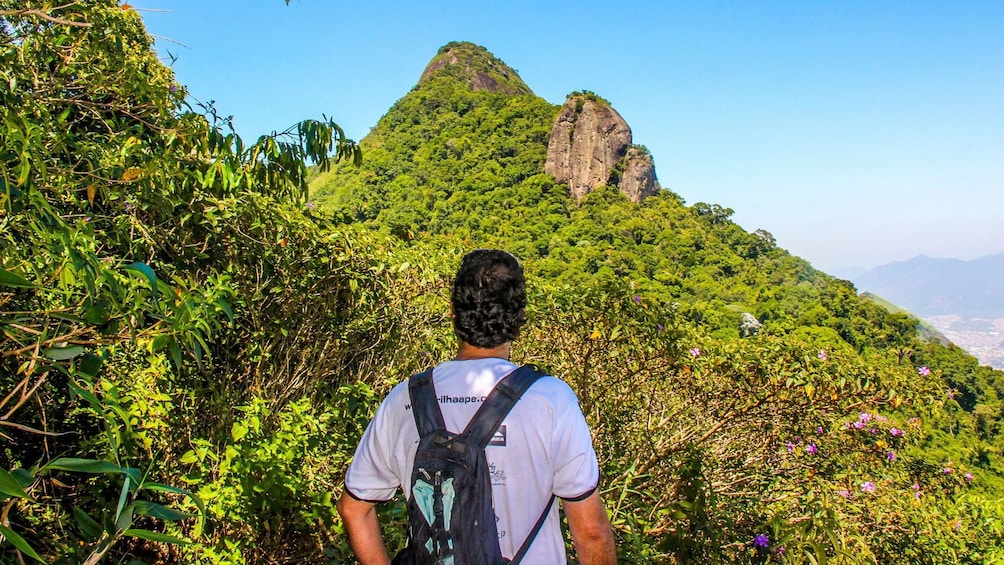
(476, 66)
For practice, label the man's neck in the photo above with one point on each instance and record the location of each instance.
(468, 351)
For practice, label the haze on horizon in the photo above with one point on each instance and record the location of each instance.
(857, 133)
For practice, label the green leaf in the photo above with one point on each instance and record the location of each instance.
(119, 510)
(63, 353)
(134, 474)
(8, 188)
(68, 317)
(96, 315)
(238, 431)
(22, 177)
(87, 524)
(18, 542)
(8, 278)
(226, 309)
(86, 395)
(83, 466)
(10, 486)
(125, 518)
(156, 536)
(24, 477)
(168, 488)
(90, 364)
(146, 271)
(615, 333)
(155, 510)
(175, 353)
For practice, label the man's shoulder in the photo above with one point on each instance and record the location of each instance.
(396, 402)
(552, 384)
(552, 392)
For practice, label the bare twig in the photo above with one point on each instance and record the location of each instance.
(20, 385)
(45, 16)
(30, 429)
(58, 339)
(155, 36)
(24, 395)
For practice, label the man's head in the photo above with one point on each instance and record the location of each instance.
(488, 298)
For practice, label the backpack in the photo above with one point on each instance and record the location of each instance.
(451, 519)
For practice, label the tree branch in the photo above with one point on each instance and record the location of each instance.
(44, 16)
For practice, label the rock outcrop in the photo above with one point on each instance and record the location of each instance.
(477, 66)
(638, 181)
(590, 146)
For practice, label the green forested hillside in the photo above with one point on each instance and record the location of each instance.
(432, 170)
(192, 345)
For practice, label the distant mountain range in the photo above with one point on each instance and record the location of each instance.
(929, 286)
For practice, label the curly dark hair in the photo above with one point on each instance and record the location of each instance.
(489, 298)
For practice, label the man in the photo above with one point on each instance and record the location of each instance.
(542, 447)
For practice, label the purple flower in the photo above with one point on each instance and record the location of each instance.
(660, 327)
(173, 88)
(951, 394)
(915, 486)
(819, 430)
(811, 449)
(637, 299)
(968, 477)
(844, 493)
(311, 206)
(864, 417)
(791, 447)
(780, 550)
(128, 207)
(867, 486)
(761, 540)
(891, 456)
(87, 218)
(873, 431)
(695, 351)
(858, 425)
(822, 355)
(947, 470)
(913, 421)
(924, 371)
(896, 432)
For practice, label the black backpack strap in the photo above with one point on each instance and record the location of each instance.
(533, 533)
(424, 404)
(498, 404)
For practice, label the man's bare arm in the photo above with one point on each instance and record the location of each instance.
(591, 532)
(363, 529)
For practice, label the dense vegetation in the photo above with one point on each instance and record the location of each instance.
(191, 348)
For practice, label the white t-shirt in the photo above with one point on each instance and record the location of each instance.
(547, 449)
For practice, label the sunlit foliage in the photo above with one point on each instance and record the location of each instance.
(193, 341)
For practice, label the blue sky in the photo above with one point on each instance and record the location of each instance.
(857, 132)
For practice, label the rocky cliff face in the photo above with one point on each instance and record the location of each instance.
(590, 146)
